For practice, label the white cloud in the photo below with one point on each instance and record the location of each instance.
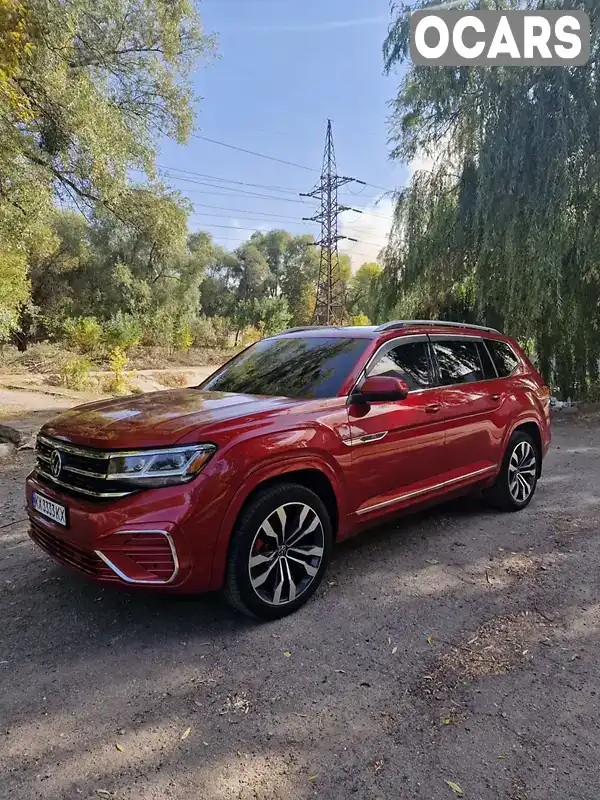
(421, 163)
(371, 228)
(426, 161)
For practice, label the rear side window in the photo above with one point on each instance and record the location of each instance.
(489, 370)
(409, 362)
(458, 361)
(503, 357)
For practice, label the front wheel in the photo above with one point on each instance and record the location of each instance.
(517, 479)
(279, 551)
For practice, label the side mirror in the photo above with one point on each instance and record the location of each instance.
(381, 388)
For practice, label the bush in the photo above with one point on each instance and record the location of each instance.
(211, 332)
(118, 361)
(75, 374)
(84, 333)
(360, 319)
(250, 336)
(159, 329)
(183, 338)
(123, 331)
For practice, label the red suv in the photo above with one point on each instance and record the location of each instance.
(245, 482)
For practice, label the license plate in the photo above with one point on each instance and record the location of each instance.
(50, 509)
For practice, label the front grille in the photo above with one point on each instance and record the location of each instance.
(83, 470)
(67, 553)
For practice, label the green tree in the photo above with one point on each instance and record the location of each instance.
(298, 278)
(506, 221)
(85, 88)
(274, 246)
(363, 292)
(273, 315)
(17, 42)
(253, 278)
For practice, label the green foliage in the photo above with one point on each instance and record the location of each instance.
(84, 334)
(363, 291)
(75, 374)
(360, 319)
(15, 289)
(503, 228)
(118, 362)
(86, 89)
(18, 37)
(183, 336)
(123, 331)
(211, 332)
(274, 315)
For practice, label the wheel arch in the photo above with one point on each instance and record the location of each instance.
(317, 477)
(311, 478)
(531, 428)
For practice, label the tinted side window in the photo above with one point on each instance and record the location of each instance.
(409, 362)
(489, 371)
(458, 362)
(503, 357)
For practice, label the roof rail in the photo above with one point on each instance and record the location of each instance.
(308, 328)
(412, 323)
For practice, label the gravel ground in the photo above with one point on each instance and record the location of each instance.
(459, 645)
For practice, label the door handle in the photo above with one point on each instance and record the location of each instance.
(494, 397)
(433, 408)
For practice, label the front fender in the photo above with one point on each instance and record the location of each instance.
(264, 472)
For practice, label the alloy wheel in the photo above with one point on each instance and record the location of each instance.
(286, 553)
(522, 469)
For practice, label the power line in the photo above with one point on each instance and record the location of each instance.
(233, 192)
(243, 183)
(235, 228)
(243, 192)
(254, 153)
(273, 158)
(226, 180)
(245, 216)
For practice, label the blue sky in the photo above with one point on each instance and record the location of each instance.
(284, 67)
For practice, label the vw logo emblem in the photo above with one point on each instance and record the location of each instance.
(55, 463)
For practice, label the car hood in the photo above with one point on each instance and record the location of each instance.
(159, 418)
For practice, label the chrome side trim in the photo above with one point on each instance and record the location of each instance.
(366, 439)
(425, 490)
(72, 488)
(126, 578)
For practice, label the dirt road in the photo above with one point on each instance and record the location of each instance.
(459, 646)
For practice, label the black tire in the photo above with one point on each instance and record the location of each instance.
(249, 535)
(500, 494)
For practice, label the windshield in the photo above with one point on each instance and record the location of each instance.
(303, 367)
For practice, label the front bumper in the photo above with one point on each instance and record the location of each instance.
(137, 541)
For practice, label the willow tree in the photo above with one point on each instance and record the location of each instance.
(504, 223)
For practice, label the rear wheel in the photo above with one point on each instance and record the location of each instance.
(517, 480)
(279, 551)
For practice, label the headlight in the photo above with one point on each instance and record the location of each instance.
(159, 467)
